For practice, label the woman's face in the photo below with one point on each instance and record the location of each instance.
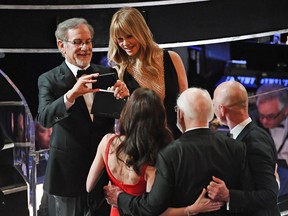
(129, 44)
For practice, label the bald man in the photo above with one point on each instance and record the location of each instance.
(231, 108)
(186, 166)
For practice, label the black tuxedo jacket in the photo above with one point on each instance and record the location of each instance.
(75, 137)
(184, 168)
(261, 157)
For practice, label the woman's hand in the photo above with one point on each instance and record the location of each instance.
(121, 90)
(203, 204)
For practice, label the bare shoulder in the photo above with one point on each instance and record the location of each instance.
(104, 141)
(174, 56)
(180, 70)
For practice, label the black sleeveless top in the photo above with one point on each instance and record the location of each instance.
(171, 91)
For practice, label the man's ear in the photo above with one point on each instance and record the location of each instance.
(180, 121)
(181, 115)
(223, 110)
(61, 46)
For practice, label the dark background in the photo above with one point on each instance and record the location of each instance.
(169, 23)
(27, 34)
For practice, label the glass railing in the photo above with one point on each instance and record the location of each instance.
(17, 152)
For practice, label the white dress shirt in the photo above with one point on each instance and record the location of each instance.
(238, 128)
(279, 135)
(88, 97)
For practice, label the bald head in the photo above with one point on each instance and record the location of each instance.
(231, 103)
(231, 94)
(196, 104)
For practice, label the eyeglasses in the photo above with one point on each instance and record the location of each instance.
(80, 43)
(270, 117)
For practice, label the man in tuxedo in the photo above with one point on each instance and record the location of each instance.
(272, 107)
(231, 108)
(187, 165)
(65, 100)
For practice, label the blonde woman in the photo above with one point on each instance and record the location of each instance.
(142, 63)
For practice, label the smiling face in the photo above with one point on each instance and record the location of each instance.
(129, 44)
(79, 55)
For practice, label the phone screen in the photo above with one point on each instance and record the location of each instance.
(105, 80)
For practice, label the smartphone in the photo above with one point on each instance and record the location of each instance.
(105, 80)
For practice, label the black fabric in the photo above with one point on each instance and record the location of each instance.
(261, 155)
(96, 198)
(229, 135)
(105, 104)
(171, 91)
(185, 167)
(104, 81)
(82, 72)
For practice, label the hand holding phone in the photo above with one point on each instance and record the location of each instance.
(104, 81)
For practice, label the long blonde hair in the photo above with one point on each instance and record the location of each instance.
(129, 21)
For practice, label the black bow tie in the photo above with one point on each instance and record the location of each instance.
(81, 72)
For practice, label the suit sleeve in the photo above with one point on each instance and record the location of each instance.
(51, 107)
(155, 202)
(262, 191)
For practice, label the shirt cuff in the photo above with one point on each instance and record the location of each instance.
(67, 103)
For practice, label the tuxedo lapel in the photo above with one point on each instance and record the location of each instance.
(66, 76)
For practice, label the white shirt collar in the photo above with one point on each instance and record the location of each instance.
(238, 128)
(194, 128)
(74, 68)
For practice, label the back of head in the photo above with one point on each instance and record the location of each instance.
(269, 92)
(63, 27)
(143, 105)
(196, 105)
(143, 123)
(231, 94)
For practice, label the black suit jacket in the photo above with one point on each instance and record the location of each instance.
(261, 157)
(75, 137)
(184, 168)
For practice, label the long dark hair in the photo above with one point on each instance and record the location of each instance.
(143, 124)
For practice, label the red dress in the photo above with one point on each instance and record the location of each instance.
(133, 189)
